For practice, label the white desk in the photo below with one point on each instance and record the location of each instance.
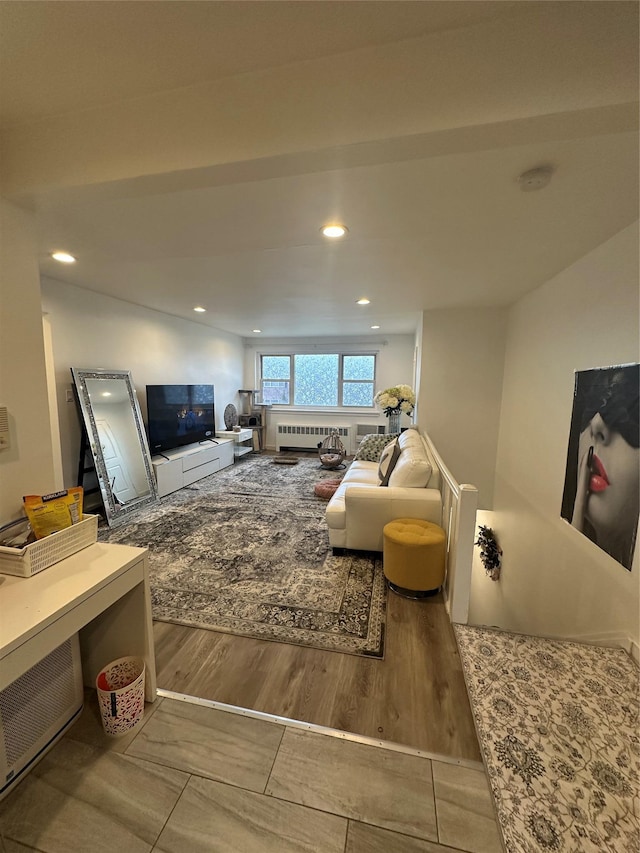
(102, 592)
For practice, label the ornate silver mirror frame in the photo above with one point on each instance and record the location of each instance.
(118, 442)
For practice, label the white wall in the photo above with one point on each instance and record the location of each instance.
(462, 358)
(91, 331)
(27, 467)
(555, 581)
(394, 366)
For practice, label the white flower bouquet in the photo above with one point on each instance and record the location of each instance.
(397, 400)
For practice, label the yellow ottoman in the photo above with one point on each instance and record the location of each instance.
(414, 557)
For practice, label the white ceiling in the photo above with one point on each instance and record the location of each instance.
(58, 56)
(427, 229)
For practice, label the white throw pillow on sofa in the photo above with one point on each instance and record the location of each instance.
(388, 460)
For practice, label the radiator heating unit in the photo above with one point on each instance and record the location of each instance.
(37, 709)
(299, 437)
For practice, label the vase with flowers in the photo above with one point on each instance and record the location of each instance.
(394, 402)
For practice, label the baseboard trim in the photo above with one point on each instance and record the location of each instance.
(608, 639)
(611, 639)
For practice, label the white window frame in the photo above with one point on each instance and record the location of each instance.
(341, 353)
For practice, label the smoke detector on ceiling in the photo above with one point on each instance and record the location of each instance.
(535, 179)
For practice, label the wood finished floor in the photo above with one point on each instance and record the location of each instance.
(415, 696)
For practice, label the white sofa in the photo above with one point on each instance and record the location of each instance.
(359, 509)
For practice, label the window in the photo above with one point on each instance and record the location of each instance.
(315, 380)
(318, 380)
(276, 379)
(358, 374)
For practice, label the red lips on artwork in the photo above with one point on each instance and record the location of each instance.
(599, 480)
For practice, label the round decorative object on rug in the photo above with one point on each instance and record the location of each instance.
(332, 451)
(326, 488)
(230, 416)
(286, 460)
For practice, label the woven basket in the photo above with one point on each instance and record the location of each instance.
(28, 561)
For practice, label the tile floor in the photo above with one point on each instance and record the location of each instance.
(198, 779)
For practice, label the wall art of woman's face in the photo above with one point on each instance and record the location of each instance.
(615, 480)
(602, 482)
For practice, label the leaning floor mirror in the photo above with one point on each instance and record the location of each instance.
(115, 431)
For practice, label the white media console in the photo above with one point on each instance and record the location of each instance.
(185, 465)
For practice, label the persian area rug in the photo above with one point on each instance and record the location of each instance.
(558, 729)
(247, 552)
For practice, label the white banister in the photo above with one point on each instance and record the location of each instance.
(459, 506)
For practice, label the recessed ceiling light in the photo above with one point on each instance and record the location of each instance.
(375, 327)
(63, 257)
(257, 331)
(334, 229)
(106, 393)
(200, 309)
(363, 301)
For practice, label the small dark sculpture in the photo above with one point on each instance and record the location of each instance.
(490, 553)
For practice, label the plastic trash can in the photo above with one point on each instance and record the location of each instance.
(120, 687)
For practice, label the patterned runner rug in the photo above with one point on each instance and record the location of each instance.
(247, 552)
(558, 728)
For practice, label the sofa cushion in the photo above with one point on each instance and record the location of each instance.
(388, 459)
(372, 445)
(413, 469)
(411, 438)
(362, 472)
(411, 472)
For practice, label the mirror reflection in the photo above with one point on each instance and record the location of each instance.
(113, 423)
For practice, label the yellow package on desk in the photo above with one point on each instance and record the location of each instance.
(51, 513)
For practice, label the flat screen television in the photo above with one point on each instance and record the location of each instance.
(179, 415)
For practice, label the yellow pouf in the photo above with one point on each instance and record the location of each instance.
(414, 556)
